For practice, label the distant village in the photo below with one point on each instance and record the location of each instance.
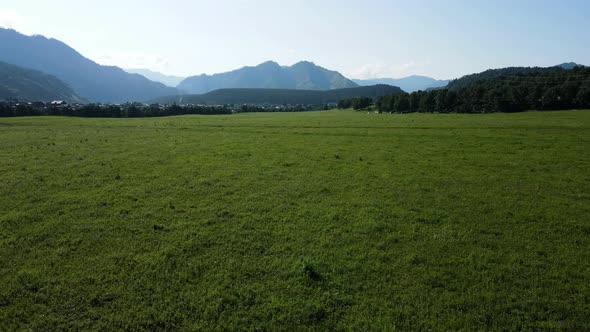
(63, 108)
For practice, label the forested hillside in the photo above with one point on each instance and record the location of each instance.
(24, 84)
(280, 96)
(500, 90)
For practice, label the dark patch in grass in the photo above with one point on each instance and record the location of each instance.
(100, 300)
(4, 301)
(309, 270)
(490, 232)
(29, 281)
(158, 228)
(430, 220)
(225, 215)
(316, 315)
(435, 282)
(118, 177)
(416, 260)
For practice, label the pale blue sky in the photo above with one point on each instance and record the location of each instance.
(361, 39)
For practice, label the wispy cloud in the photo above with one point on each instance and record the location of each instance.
(382, 70)
(11, 19)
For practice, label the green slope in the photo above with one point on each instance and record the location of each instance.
(32, 85)
(279, 96)
(508, 73)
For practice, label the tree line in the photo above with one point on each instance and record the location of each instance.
(357, 103)
(108, 111)
(534, 89)
(279, 96)
(140, 110)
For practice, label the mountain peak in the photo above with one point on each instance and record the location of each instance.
(304, 75)
(305, 63)
(269, 63)
(569, 65)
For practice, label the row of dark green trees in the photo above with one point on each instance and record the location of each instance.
(496, 91)
(108, 111)
(357, 103)
(138, 110)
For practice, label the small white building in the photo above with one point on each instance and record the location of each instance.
(58, 103)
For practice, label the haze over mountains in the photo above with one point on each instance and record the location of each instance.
(569, 65)
(408, 84)
(38, 68)
(168, 80)
(270, 75)
(240, 79)
(108, 84)
(88, 79)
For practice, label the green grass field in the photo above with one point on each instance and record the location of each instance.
(321, 220)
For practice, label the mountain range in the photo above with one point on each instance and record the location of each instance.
(408, 84)
(88, 79)
(303, 75)
(32, 85)
(243, 78)
(36, 67)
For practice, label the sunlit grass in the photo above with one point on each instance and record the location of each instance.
(280, 221)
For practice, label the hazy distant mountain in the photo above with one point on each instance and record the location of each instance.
(270, 75)
(169, 80)
(408, 84)
(280, 96)
(32, 85)
(309, 76)
(87, 78)
(569, 65)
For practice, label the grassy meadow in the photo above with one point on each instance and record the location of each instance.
(286, 221)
